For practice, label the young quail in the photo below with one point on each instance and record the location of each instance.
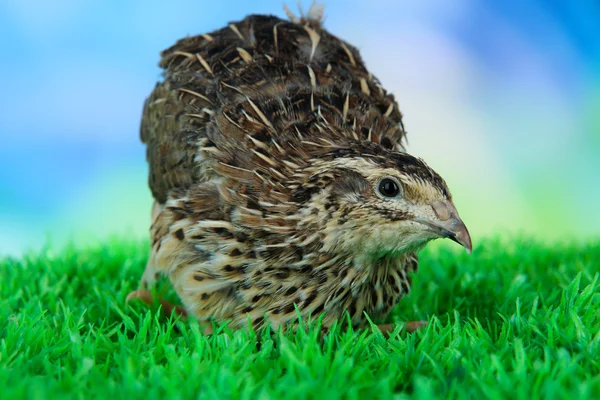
(280, 179)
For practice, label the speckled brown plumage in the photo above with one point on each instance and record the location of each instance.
(267, 143)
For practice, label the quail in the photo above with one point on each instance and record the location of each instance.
(281, 182)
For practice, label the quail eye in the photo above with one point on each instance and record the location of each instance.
(388, 187)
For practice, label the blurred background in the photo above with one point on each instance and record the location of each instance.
(501, 97)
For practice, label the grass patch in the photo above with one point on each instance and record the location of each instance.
(517, 319)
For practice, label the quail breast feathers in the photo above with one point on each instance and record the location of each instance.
(281, 181)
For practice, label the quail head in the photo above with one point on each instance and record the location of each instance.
(281, 181)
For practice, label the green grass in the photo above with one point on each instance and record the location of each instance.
(517, 319)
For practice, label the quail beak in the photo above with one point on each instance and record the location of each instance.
(449, 224)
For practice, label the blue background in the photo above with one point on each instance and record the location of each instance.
(501, 98)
